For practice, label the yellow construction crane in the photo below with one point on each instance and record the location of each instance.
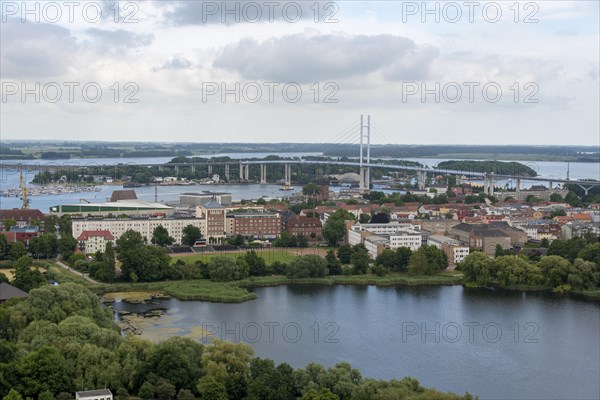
(23, 188)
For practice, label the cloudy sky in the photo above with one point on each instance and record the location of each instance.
(285, 71)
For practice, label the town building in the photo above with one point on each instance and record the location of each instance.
(481, 237)
(377, 237)
(299, 225)
(22, 234)
(199, 199)
(214, 215)
(126, 207)
(91, 242)
(264, 225)
(22, 217)
(580, 229)
(455, 251)
(145, 225)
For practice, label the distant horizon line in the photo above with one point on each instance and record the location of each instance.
(283, 143)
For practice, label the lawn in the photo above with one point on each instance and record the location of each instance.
(270, 255)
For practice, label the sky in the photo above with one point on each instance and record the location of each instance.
(301, 71)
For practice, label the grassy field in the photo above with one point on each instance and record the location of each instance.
(200, 289)
(270, 255)
(8, 273)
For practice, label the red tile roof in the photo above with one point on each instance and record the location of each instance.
(22, 214)
(85, 235)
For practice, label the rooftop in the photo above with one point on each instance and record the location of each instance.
(8, 292)
(93, 393)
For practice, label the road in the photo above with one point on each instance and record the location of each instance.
(71, 270)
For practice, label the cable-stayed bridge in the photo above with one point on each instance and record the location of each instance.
(355, 134)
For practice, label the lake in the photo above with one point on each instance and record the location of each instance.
(494, 344)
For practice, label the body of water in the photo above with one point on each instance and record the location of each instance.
(10, 179)
(498, 345)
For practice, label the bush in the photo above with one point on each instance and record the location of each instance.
(310, 266)
(223, 269)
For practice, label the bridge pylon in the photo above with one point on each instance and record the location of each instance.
(365, 140)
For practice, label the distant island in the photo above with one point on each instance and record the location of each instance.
(27, 150)
(497, 167)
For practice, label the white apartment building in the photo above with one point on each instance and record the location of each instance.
(385, 229)
(454, 250)
(145, 226)
(377, 237)
(91, 242)
(409, 238)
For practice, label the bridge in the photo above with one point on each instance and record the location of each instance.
(364, 165)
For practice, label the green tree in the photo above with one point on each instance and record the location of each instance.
(66, 246)
(223, 268)
(364, 218)
(556, 197)
(360, 259)
(211, 389)
(335, 227)
(310, 266)
(13, 395)
(4, 247)
(191, 234)
(41, 370)
(403, 255)
(311, 189)
(256, 264)
(555, 269)
(499, 251)
(3, 278)
(17, 250)
(285, 240)
(476, 269)
(386, 259)
(185, 394)
(545, 243)
(130, 248)
(9, 223)
(345, 253)
(334, 265)
(154, 264)
(427, 260)
(160, 237)
(513, 270)
(228, 363)
(47, 395)
(178, 360)
(323, 394)
(50, 223)
(26, 277)
(237, 240)
(165, 390)
(147, 391)
(591, 252)
(109, 255)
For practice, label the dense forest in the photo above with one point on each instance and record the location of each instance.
(61, 339)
